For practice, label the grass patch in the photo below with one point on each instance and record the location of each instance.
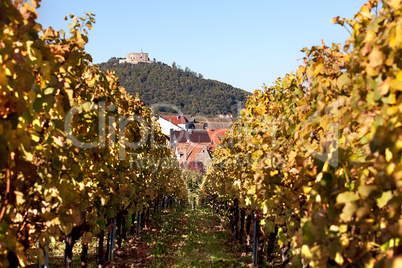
(194, 238)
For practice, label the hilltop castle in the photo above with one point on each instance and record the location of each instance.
(135, 58)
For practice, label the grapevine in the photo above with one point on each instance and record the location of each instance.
(318, 154)
(50, 187)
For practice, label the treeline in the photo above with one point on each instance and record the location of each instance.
(185, 89)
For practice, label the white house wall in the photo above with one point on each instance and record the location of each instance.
(166, 126)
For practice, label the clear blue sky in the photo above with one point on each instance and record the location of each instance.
(243, 43)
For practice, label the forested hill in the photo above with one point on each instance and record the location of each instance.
(192, 94)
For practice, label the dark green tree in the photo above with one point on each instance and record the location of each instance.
(189, 91)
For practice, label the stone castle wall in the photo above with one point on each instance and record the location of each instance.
(135, 58)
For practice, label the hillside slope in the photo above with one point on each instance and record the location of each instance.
(185, 89)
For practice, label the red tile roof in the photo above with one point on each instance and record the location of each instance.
(216, 135)
(182, 148)
(176, 119)
(211, 147)
(192, 151)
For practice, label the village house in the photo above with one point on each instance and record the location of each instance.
(167, 125)
(175, 123)
(179, 120)
(194, 147)
(224, 115)
(190, 135)
(197, 155)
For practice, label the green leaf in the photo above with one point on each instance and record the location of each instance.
(270, 227)
(366, 190)
(348, 211)
(49, 90)
(89, 25)
(13, 118)
(37, 105)
(56, 162)
(343, 80)
(383, 200)
(309, 232)
(346, 197)
(376, 57)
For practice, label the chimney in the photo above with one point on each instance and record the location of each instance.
(171, 137)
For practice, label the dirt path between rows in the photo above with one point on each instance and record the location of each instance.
(182, 238)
